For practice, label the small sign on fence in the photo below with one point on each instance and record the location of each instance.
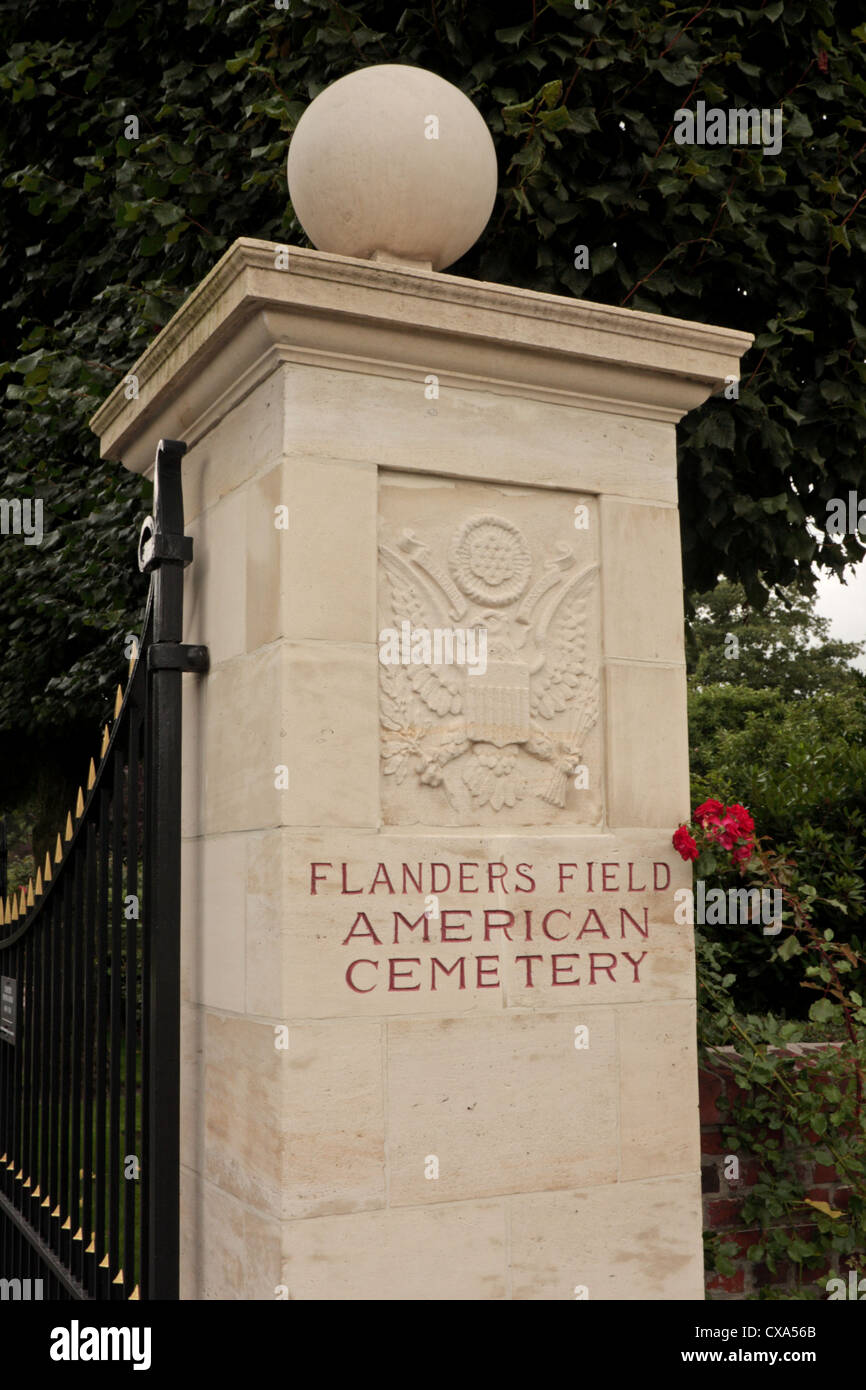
(8, 999)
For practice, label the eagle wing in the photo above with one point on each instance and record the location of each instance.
(562, 679)
(439, 687)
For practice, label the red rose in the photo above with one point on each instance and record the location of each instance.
(742, 818)
(742, 853)
(684, 844)
(710, 812)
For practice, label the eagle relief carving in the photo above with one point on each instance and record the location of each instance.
(488, 689)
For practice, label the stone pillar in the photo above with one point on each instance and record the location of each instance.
(439, 1020)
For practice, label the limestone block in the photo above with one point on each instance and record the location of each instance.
(634, 1242)
(228, 1250)
(192, 799)
(245, 1086)
(658, 1097)
(501, 1104)
(641, 582)
(264, 557)
(247, 442)
(647, 745)
(474, 431)
(335, 1125)
(213, 879)
(419, 1254)
(217, 614)
(329, 564)
(191, 1087)
(264, 948)
(329, 716)
(244, 739)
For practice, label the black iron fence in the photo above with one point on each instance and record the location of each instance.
(4, 860)
(90, 987)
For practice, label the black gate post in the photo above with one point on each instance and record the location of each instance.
(166, 551)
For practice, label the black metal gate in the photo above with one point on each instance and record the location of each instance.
(90, 987)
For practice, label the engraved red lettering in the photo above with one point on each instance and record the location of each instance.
(554, 912)
(555, 963)
(351, 970)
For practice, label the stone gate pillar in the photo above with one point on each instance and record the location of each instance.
(439, 1021)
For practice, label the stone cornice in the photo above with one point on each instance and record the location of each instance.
(246, 317)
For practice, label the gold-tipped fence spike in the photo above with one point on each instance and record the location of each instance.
(56, 1211)
(46, 876)
(67, 834)
(67, 1225)
(22, 903)
(91, 776)
(39, 890)
(79, 1234)
(31, 897)
(13, 915)
(19, 1175)
(133, 658)
(118, 701)
(103, 1263)
(118, 1279)
(47, 1202)
(79, 805)
(2, 914)
(91, 1249)
(134, 1294)
(105, 737)
(37, 1191)
(58, 852)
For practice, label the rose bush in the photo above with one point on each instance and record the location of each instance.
(730, 828)
(788, 1115)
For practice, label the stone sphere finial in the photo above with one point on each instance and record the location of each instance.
(393, 163)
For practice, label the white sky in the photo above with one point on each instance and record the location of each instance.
(845, 606)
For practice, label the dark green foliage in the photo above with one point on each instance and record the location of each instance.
(103, 236)
(784, 1113)
(781, 728)
(784, 647)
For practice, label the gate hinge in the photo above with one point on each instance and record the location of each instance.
(178, 656)
(157, 548)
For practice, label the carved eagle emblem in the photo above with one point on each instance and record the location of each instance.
(535, 669)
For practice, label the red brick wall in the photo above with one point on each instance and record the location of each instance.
(723, 1198)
